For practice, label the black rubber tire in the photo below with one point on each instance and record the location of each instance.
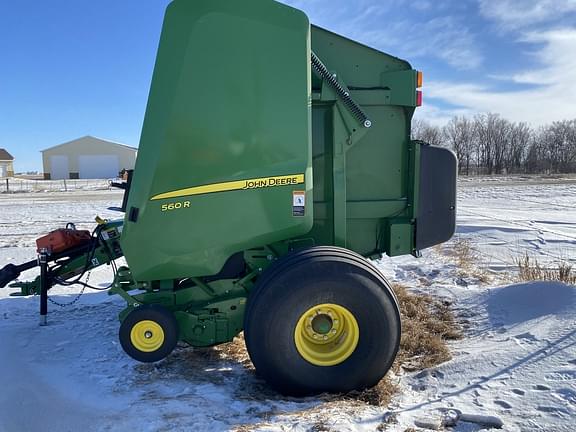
(160, 315)
(302, 280)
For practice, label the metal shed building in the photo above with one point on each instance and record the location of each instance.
(6, 164)
(87, 158)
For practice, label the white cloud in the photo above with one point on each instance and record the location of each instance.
(558, 58)
(378, 24)
(421, 5)
(439, 116)
(515, 14)
(540, 94)
(444, 38)
(552, 99)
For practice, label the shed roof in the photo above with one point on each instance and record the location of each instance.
(93, 138)
(5, 156)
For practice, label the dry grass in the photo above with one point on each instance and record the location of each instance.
(247, 427)
(427, 324)
(467, 259)
(320, 426)
(466, 256)
(529, 269)
(236, 351)
(379, 395)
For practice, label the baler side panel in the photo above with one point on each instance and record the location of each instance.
(229, 102)
(379, 171)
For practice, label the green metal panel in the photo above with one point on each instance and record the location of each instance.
(229, 102)
(396, 235)
(362, 182)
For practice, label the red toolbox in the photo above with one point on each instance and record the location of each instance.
(63, 239)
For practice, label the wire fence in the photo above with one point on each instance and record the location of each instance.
(17, 185)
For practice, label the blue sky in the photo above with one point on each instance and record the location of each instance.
(70, 68)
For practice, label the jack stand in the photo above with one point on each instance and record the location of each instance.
(44, 285)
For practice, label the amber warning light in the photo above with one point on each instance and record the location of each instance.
(419, 80)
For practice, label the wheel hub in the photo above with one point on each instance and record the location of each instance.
(322, 323)
(147, 336)
(326, 334)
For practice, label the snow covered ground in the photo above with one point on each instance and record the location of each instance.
(508, 219)
(517, 361)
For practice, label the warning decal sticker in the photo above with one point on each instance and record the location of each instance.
(298, 203)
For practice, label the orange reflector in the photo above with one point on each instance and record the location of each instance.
(418, 98)
(419, 79)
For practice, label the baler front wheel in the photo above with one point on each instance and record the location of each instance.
(149, 333)
(322, 320)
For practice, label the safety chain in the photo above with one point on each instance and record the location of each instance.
(62, 305)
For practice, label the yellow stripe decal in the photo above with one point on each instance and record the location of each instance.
(255, 183)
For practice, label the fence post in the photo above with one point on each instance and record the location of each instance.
(65, 187)
(7, 186)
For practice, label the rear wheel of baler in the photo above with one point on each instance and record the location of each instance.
(322, 320)
(149, 333)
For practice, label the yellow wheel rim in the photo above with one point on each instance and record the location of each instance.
(147, 336)
(326, 334)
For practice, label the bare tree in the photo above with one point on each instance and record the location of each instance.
(554, 148)
(561, 137)
(424, 131)
(520, 137)
(483, 143)
(459, 136)
(536, 158)
(491, 144)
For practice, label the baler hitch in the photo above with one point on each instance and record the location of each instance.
(64, 256)
(11, 272)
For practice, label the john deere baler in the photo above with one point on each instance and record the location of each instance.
(275, 157)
